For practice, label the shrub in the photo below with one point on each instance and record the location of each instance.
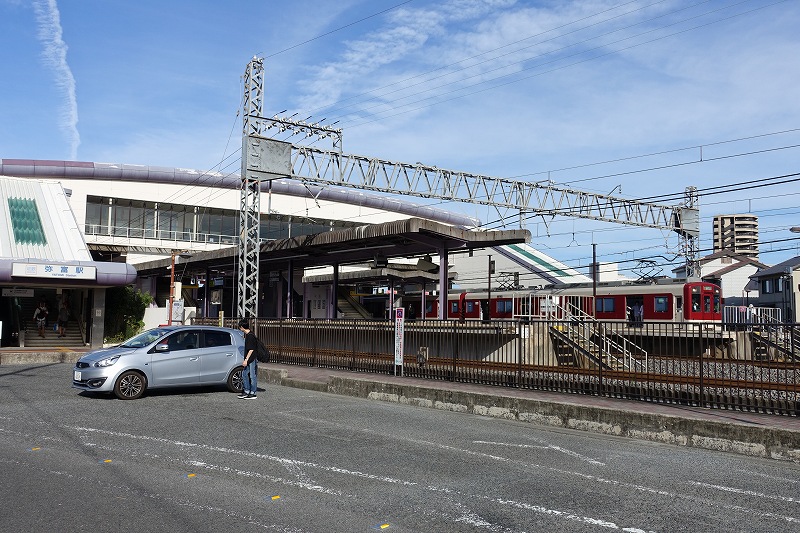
(124, 313)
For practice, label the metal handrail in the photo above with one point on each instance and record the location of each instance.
(629, 361)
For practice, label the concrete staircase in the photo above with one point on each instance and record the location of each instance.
(349, 307)
(51, 340)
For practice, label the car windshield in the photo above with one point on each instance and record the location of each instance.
(143, 339)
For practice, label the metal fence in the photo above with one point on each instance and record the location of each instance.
(696, 364)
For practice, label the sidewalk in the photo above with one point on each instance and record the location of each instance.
(753, 434)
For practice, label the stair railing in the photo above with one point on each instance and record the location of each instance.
(625, 347)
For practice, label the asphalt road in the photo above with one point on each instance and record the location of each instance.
(299, 461)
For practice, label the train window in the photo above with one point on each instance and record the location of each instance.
(661, 304)
(604, 305)
(502, 306)
(454, 307)
(428, 307)
(716, 303)
(695, 302)
(470, 307)
(679, 303)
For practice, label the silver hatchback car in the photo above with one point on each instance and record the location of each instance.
(169, 356)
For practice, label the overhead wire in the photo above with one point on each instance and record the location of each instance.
(652, 154)
(664, 263)
(403, 4)
(292, 47)
(703, 191)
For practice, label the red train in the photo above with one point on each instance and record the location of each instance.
(655, 302)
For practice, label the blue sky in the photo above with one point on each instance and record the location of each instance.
(581, 93)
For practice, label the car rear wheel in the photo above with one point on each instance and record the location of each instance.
(130, 385)
(235, 383)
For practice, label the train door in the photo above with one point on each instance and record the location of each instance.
(705, 302)
(634, 310)
(431, 309)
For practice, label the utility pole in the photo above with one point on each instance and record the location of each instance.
(171, 288)
(271, 159)
(250, 200)
(595, 273)
(686, 220)
(489, 299)
(265, 159)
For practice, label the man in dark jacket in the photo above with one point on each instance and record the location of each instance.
(250, 363)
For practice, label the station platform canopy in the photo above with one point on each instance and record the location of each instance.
(412, 237)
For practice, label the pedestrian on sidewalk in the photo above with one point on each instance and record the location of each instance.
(63, 318)
(250, 363)
(40, 316)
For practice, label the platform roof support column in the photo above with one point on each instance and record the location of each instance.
(290, 290)
(279, 295)
(391, 299)
(443, 285)
(306, 310)
(206, 293)
(334, 303)
(422, 303)
(98, 317)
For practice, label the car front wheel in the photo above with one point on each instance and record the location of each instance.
(130, 385)
(235, 383)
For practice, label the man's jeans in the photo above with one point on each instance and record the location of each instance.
(250, 378)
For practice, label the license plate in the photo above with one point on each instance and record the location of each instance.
(77, 375)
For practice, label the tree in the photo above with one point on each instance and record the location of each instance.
(124, 312)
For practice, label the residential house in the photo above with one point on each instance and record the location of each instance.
(779, 287)
(732, 272)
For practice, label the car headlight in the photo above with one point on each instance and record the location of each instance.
(107, 362)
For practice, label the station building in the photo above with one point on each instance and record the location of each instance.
(120, 218)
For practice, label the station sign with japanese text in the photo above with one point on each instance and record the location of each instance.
(53, 270)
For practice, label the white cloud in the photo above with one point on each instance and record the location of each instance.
(55, 56)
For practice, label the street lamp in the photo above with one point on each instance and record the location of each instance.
(172, 281)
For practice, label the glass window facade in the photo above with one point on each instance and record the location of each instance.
(175, 222)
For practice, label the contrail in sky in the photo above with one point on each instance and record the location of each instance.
(55, 56)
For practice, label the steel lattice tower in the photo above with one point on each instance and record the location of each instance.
(250, 201)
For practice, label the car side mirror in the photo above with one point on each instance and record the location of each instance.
(162, 347)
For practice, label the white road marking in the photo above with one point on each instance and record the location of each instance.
(472, 518)
(530, 507)
(546, 447)
(774, 478)
(280, 460)
(274, 479)
(741, 509)
(745, 492)
(159, 497)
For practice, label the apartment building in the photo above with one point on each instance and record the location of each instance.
(737, 234)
